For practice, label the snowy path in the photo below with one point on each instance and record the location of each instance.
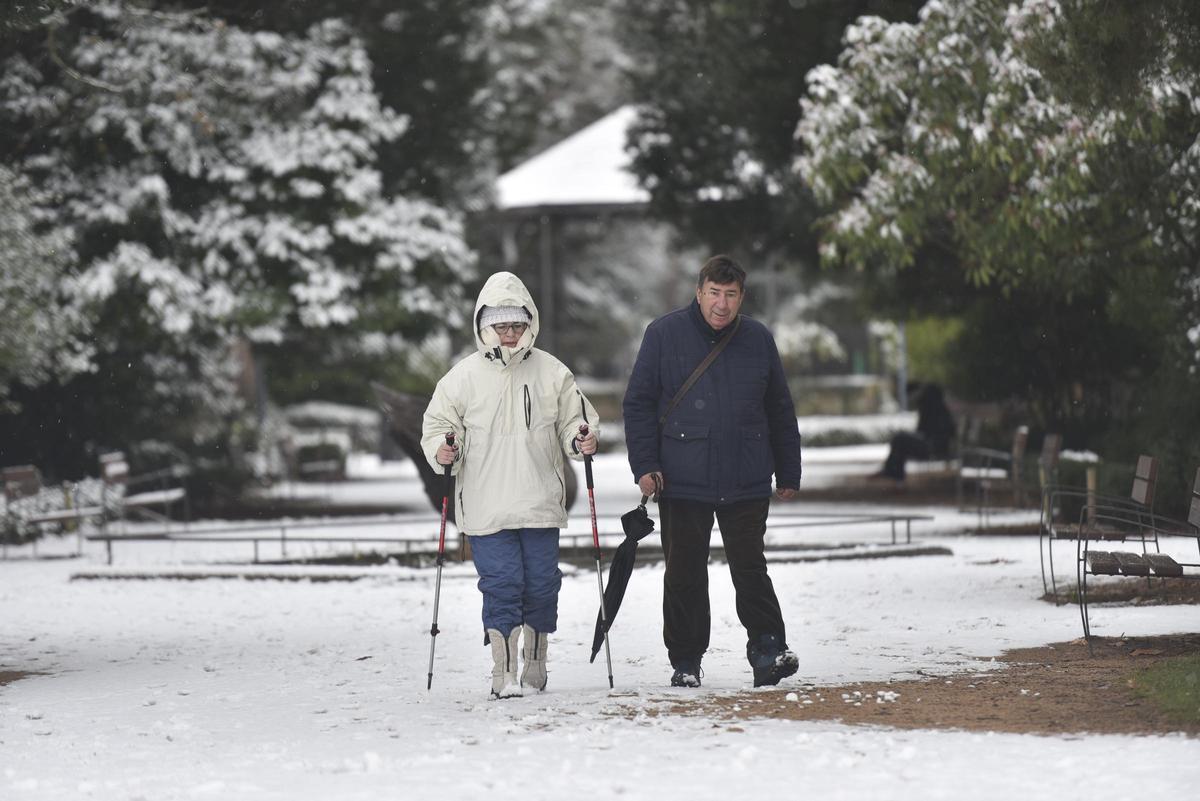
(302, 690)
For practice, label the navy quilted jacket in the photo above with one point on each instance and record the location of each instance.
(735, 427)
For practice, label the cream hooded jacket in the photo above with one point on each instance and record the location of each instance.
(513, 412)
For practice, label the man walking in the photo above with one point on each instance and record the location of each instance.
(706, 435)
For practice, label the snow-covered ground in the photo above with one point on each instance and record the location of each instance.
(297, 690)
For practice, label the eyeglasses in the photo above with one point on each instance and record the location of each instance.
(504, 328)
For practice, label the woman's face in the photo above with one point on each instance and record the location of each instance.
(510, 333)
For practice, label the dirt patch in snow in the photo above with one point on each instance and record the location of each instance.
(1160, 591)
(9, 676)
(920, 489)
(1055, 689)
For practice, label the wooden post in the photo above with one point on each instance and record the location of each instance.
(548, 336)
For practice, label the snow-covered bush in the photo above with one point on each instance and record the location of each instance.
(201, 183)
(1046, 153)
(230, 176)
(37, 338)
(945, 136)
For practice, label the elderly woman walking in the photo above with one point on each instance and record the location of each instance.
(513, 409)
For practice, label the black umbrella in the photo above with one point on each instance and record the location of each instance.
(637, 524)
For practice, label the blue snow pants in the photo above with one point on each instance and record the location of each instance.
(519, 578)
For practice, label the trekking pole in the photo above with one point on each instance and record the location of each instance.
(441, 559)
(587, 467)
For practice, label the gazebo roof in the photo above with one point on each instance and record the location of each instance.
(588, 168)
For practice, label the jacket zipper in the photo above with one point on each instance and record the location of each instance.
(562, 489)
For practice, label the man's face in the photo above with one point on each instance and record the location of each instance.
(719, 303)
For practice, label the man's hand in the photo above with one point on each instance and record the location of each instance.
(586, 441)
(785, 493)
(651, 484)
(446, 454)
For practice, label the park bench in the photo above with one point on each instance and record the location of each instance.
(988, 469)
(1138, 505)
(149, 495)
(1105, 523)
(939, 468)
(28, 506)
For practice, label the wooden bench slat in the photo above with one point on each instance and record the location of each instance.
(1111, 535)
(1132, 564)
(59, 515)
(1164, 565)
(1065, 531)
(1103, 563)
(154, 497)
(1070, 531)
(983, 473)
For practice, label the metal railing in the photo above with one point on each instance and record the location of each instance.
(284, 533)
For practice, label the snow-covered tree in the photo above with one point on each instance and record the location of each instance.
(1031, 168)
(552, 67)
(211, 183)
(803, 340)
(717, 83)
(37, 339)
(945, 137)
(230, 175)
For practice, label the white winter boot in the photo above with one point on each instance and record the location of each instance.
(504, 663)
(534, 655)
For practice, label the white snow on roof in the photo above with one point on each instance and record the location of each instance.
(588, 167)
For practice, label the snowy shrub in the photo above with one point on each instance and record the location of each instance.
(803, 341)
(37, 338)
(946, 136)
(1046, 152)
(199, 184)
(231, 177)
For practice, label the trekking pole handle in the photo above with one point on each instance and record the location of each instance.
(587, 458)
(445, 506)
(450, 442)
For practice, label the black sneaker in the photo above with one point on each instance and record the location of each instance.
(687, 673)
(771, 660)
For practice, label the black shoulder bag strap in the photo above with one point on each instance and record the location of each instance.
(699, 371)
